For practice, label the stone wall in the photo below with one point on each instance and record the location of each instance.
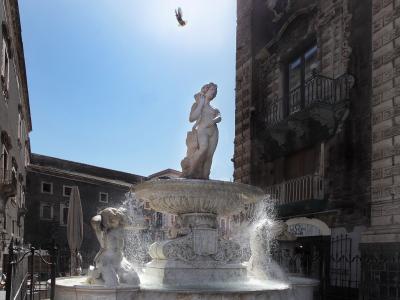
(14, 104)
(244, 61)
(385, 201)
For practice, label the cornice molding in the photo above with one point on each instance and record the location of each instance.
(77, 176)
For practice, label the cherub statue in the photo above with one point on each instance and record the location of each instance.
(202, 140)
(111, 267)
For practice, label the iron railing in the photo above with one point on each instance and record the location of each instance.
(27, 282)
(275, 111)
(344, 273)
(317, 89)
(309, 187)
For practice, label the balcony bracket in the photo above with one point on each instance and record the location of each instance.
(279, 135)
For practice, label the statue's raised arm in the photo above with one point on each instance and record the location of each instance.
(111, 267)
(197, 107)
(202, 140)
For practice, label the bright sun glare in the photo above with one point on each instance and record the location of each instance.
(207, 20)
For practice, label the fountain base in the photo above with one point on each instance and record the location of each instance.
(76, 288)
(180, 274)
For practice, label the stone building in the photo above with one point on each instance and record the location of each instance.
(49, 184)
(317, 90)
(15, 126)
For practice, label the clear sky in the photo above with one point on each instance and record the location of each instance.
(111, 82)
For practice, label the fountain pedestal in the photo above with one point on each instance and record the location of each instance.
(197, 256)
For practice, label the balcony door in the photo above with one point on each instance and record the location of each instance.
(301, 164)
(300, 70)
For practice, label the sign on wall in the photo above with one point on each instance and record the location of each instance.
(302, 227)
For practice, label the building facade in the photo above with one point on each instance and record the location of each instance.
(49, 184)
(15, 126)
(316, 127)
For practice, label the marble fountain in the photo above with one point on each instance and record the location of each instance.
(196, 263)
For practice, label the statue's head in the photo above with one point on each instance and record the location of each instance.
(209, 90)
(112, 218)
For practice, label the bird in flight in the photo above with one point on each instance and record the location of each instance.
(178, 14)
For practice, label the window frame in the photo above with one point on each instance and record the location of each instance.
(20, 128)
(42, 205)
(66, 186)
(5, 68)
(5, 165)
(51, 188)
(63, 205)
(103, 193)
(13, 227)
(20, 194)
(23, 198)
(26, 154)
(299, 53)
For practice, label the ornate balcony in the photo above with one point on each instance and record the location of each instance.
(8, 183)
(309, 187)
(318, 90)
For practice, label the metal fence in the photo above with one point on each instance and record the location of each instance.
(344, 273)
(30, 273)
(63, 268)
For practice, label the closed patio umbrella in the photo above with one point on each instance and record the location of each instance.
(75, 230)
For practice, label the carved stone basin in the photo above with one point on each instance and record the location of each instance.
(185, 196)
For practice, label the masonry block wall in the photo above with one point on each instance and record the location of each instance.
(385, 199)
(335, 143)
(244, 61)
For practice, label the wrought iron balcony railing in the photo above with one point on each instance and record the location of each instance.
(8, 182)
(309, 187)
(317, 89)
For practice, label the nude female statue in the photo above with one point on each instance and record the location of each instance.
(203, 138)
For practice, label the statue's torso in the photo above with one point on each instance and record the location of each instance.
(207, 116)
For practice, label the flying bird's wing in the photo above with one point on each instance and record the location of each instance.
(178, 14)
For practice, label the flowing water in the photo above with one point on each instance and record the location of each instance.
(138, 236)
